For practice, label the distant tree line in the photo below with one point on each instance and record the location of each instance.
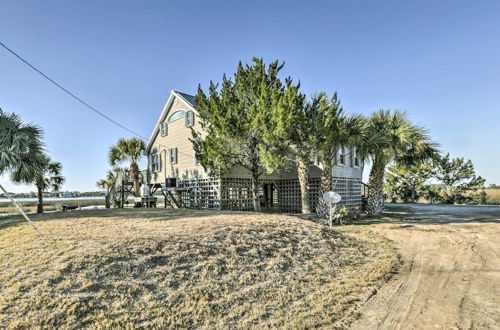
(441, 180)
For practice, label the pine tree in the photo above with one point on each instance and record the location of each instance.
(236, 122)
(407, 182)
(458, 176)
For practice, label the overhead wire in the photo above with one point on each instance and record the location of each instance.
(80, 100)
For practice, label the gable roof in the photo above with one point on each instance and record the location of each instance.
(188, 98)
(185, 98)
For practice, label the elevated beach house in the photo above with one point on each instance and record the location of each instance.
(174, 168)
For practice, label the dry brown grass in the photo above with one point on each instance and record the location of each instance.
(162, 268)
(492, 196)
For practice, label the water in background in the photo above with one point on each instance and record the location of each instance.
(53, 199)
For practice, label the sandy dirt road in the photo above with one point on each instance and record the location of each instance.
(450, 277)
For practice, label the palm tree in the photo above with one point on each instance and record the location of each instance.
(130, 151)
(20, 146)
(108, 182)
(339, 130)
(49, 175)
(43, 172)
(22, 155)
(391, 137)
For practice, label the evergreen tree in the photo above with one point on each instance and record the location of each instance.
(298, 124)
(458, 177)
(407, 182)
(237, 125)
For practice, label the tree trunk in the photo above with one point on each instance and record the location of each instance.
(107, 199)
(255, 171)
(255, 188)
(327, 177)
(303, 171)
(134, 172)
(39, 208)
(375, 202)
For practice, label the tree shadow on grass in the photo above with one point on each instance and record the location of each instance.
(160, 214)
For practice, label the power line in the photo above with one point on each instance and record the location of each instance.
(71, 94)
(79, 99)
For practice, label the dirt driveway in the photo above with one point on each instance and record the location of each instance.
(450, 278)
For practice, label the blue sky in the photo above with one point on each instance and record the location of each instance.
(438, 60)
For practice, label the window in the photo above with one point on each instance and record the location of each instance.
(189, 120)
(176, 115)
(173, 155)
(355, 158)
(316, 160)
(341, 158)
(163, 129)
(196, 159)
(155, 162)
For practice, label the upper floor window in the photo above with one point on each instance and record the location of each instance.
(155, 162)
(163, 129)
(355, 158)
(341, 157)
(189, 119)
(173, 155)
(176, 115)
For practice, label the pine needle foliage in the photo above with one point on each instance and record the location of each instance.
(236, 117)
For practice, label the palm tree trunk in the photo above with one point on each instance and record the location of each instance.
(375, 202)
(134, 172)
(327, 176)
(39, 208)
(303, 171)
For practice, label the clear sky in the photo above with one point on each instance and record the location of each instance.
(438, 60)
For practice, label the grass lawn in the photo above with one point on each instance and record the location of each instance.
(159, 268)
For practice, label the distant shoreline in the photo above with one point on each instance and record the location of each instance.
(52, 199)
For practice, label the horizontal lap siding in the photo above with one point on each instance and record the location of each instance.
(291, 173)
(178, 137)
(232, 191)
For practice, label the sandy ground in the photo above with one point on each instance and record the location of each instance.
(450, 278)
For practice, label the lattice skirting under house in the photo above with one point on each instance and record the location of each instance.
(276, 195)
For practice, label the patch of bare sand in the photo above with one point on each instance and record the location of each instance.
(450, 278)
